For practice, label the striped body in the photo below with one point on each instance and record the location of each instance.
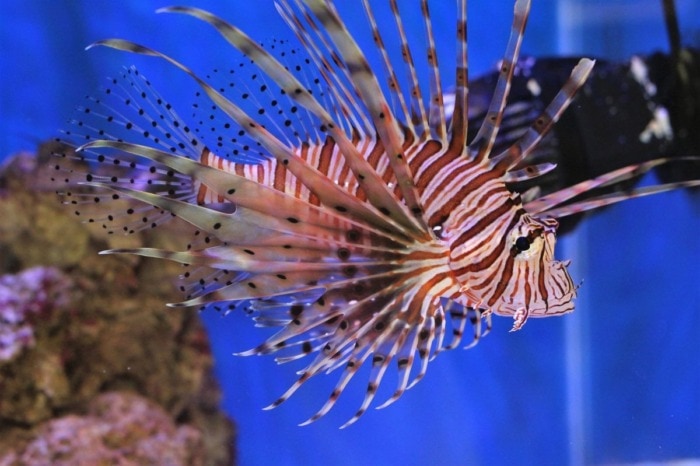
(452, 192)
(365, 231)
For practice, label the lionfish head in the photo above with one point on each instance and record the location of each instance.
(537, 285)
(504, 258)
(365, 231)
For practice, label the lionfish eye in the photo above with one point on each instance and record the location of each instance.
(522, 244)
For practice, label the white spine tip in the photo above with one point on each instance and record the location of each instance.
(177, 305)
(272, 406)
(349, 423)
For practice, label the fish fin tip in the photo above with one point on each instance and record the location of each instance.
(174, 305)
(351, 421)
(274, 404)
(309, 421)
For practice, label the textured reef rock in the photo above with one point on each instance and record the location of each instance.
(24, 299)
(118, 428)
(92, 364)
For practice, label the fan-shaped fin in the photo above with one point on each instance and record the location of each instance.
(372, 96)
(248, 193)
(328, 192)
(377, 192)
(329, 65)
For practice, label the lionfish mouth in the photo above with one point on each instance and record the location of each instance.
(363, 230)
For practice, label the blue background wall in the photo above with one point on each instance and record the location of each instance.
(617, 381)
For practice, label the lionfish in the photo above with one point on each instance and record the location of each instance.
(365, 230)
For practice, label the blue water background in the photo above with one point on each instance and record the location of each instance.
(617, 381)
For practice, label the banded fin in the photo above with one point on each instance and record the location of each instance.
(243, 192)
(368, 178)
(328, 192)
(438, 120)
(419, 114)
(379, 331)
(613, 198)
(394, 86)
(546, 204)
(373, 98)
(460, 315)
(128, 107)
(255, 93)
(483, 142)
(330, 67)
(459, 116)
(528, 141)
